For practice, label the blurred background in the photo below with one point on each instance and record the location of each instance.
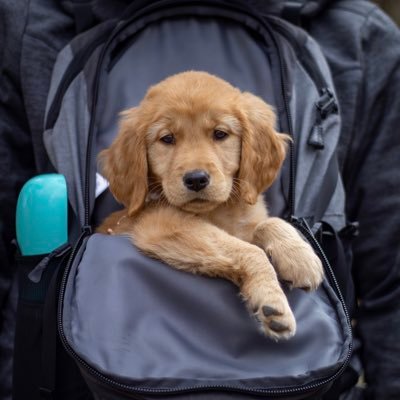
(391, 7)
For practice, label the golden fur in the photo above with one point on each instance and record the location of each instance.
(222, 229)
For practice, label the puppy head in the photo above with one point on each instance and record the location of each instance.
(196, 141)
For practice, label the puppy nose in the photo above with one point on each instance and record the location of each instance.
(196, 180)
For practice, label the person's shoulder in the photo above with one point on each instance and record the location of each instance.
(361, 8)
(363, 14)
(362, 25)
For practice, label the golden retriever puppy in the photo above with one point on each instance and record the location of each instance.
(189, 164)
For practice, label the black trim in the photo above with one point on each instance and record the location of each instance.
(49, 341)
(49, 329)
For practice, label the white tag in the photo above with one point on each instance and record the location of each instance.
(101, 184)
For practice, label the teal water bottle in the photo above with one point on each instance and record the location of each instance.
(41, 217)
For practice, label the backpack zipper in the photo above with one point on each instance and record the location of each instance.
(284, 92)
(159, 6)
(300, 224)
(325, 106)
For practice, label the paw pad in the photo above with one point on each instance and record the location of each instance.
(277, 326)
(268, 311)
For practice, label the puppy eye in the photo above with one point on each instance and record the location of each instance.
(220, 135)
(168, 139)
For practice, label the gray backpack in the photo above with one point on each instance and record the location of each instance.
(133, 327)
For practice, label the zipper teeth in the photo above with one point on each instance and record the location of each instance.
(93, 114)
(305, 228)
(103, 378)
(302, 54)
(276, 391)
(292, 190)
(147, 10)
(284, 88)
(92, 371)
(293, 166)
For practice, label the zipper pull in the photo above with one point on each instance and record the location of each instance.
(315, 138)
(325, 106)
(86, 230)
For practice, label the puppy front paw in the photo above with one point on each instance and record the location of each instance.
(297, 264)
(292, 257)
(271, 309)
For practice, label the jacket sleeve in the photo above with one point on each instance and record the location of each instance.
(16, 156)
(373, 188)
(16, 166)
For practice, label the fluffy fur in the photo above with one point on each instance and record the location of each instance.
(194, 121)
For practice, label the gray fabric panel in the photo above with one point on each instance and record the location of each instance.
(106, 393)
(312, 164)
(66, 143)
(63, 60)
(224, 49)
(138, 319)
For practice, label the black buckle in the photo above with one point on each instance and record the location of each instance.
(327, 103)
(325, 106)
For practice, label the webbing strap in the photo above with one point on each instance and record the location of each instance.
(50, 335)
(49, 341)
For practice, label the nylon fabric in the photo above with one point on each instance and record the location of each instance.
(313, 165)
(166, 328)
(67, 148)
(224, 49)
(65, 56)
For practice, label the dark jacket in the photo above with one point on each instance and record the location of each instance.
(362, 46)
(363, 49)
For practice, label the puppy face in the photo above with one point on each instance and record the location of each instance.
(196, 141)
(194, 146)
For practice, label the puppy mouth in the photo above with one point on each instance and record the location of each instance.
(199, 205)
(199, 200)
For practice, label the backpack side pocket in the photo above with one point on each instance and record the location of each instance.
(38, 281)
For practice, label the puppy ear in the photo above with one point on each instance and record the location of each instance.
(263, 149)
(124, 163)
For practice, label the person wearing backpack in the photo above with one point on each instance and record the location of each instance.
(366, 77)
(362, 48)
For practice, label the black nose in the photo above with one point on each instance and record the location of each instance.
(196, 180)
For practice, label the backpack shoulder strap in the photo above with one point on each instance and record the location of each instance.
(292, 11)
(296, 11)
